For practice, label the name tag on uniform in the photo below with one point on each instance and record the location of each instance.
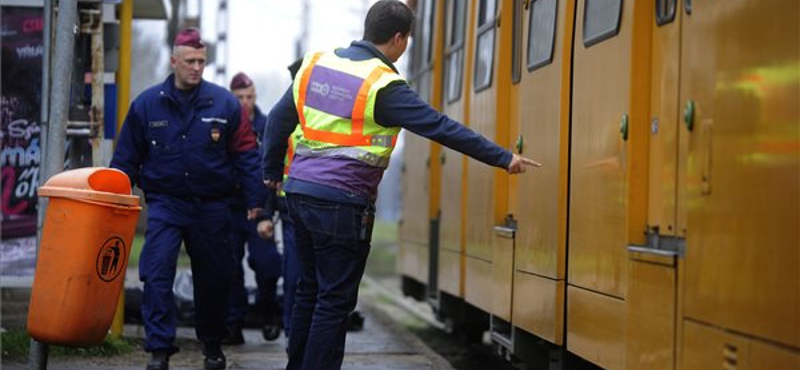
(215, 120)
(159, 123)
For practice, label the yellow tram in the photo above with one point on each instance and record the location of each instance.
(663, 231)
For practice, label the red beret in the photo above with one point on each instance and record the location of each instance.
(241, 81)
(189, 37)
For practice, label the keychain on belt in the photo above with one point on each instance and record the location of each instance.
(367, 220)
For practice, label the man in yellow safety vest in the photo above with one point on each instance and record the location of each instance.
(351, 104)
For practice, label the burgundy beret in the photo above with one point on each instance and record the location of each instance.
(241, 81)
(189, 37)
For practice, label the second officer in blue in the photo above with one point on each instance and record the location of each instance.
(263, 257)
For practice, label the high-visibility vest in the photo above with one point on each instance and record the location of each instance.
(335, 100)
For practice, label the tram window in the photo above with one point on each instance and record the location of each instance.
(422, 40)
(600, 20)
(458, 21)
(484, 55)
(516, 51)
(416, 53)
(665, 11)
(541, 33)
(427, 31)
(454, 50)
(486, 12)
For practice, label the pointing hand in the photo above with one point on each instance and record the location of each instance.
(519, 163)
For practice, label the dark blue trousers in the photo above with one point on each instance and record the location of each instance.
(291, 273)
(265, 261)
(204, 226)
(332, 261)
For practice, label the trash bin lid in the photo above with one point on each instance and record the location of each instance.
(101, 184)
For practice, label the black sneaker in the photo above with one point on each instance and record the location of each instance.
(355, 321)
(271, 332)
(215, 359)
(235, 336)
(159, 360)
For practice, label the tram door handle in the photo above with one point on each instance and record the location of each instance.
(508, 229)
(504, 232)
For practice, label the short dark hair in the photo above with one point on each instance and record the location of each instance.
(386, 18)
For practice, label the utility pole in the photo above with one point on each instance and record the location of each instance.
(221, 57)
(92, 24)
(66, 29)
(301, 45)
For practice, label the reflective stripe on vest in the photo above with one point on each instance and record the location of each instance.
(336, 122)
(345, 151)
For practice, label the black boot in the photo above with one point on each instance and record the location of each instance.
(235, 336)
(159, 361)
(215, 359)
(355, 321)
(271, 332)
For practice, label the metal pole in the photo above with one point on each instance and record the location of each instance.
(95, 29)
(124, 72)
(66, 30)
(45, 104)
(37, 353)
(58, 110)
(123, 96)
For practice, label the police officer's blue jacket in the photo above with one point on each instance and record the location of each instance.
(189, 144)
(259, 123)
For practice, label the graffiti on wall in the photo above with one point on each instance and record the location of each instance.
(20, 114)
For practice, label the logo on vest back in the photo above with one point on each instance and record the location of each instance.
(320, 88)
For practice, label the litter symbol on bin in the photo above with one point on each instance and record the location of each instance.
(110, 259)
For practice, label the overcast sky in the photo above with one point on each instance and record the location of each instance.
(261, 40)
(262, 36)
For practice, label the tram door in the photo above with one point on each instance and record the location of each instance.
(480, 204)
(455, 94)
(603, 186)
(540, 67)
(651, 321)
(740, 88)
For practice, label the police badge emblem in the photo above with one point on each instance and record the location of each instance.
(215, 134)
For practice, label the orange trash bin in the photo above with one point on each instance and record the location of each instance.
(83, 255)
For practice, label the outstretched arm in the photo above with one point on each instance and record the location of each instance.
(400, 106)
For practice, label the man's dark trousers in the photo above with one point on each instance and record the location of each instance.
(291, 272)
(332, 260)
(263, 259)
(204, 225)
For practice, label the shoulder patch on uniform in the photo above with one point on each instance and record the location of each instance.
(159, 123)
(214, 119)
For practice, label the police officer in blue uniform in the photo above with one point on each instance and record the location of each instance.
(351, 104)
(263, 256)
(184, 144)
